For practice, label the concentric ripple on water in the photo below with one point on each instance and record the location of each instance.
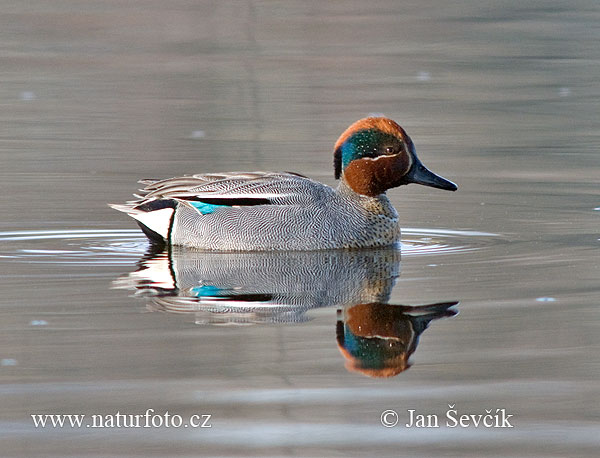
(126, 246)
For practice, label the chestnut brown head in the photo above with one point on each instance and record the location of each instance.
(376, 154)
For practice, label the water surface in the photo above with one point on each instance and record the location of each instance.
(501, 98)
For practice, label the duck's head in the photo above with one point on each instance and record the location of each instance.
(376, 154)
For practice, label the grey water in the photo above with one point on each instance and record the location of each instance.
(296, 354)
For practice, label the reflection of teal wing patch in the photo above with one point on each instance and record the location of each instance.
(228, 294)
(205, 208)
(207, 290)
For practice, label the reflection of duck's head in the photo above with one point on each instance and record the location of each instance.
(377, 339)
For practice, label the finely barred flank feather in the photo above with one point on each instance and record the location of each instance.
(324, 219)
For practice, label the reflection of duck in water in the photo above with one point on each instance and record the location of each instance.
(378, 339)
(262, 287)
(244, 288)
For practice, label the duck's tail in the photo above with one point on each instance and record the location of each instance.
(155, 217)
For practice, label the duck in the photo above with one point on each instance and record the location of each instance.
(267, 211)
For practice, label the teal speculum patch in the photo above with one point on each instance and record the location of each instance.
(205, 208)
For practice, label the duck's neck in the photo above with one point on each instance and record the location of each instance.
(379, 204)
(345, 188)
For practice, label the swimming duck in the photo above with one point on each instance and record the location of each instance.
(259, 211)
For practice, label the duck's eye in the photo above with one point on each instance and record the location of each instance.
(390, 150)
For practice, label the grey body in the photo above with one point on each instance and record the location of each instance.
(301, 214)
(326, 218)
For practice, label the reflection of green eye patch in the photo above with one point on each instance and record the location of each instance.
(373, 352)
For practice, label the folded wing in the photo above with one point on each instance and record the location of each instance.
(157, 201)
